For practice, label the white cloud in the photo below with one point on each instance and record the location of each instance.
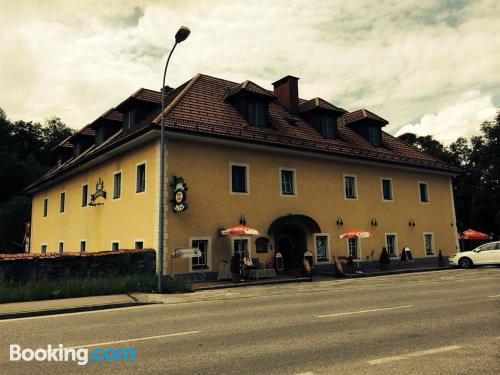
(401, 59)
(460, 119)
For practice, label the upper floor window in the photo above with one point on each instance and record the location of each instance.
(100, 135)
(83, 246)
(128, 119)
(239, 179)
(45, 207)
(61, 247)
(257, 113)
(43, 249)
(141, 178)
(85, 194)
(287, 182)
(374, 135)
(62, 202)
(115, 246)
(424, 192)
(117, 185)
(387, 189)
(328, 126)
(350, 187)
(139, 245)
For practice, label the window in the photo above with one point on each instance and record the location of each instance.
(257, 113)
(261, 245)
(328, 126)
(62, 202)
(43, 249)
(387, 189)
(100, 135)
(139, 245)
(353, 247)
(287, 182)
(61, 247)
(200, 262)
(374, 134)
(45, 206)
(117, 185)
(391, 245)
(83, 246)
(115, 246)
(128, 120)
(239, 176)
(489, 246)
(85, 193)
(322, 251)
(240, 246)
(429, 244)
(424, 192)
(141, 178)
(350, 187)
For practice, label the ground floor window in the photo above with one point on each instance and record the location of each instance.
(353, 247)
(200, 262)
(429, 244)
(240, 246)
(321, 242)
(391, 245)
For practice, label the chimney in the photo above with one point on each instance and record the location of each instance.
(287, 90)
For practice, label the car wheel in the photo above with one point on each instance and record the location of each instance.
(465, 263)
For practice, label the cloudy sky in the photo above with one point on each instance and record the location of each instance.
(429, 67)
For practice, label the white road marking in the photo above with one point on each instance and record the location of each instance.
(496, 296)
(137, 339)
(414, 354)
(365, 311)
(111, 309)
(306, 373)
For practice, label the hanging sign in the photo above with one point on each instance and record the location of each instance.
(180, 194)
(99, 193)
(189, 252)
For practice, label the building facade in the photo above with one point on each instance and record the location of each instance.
(301, 172)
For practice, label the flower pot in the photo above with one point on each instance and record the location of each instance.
(236, 277)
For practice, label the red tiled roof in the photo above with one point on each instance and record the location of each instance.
(26, 256)
(362, 114)
(307, 105)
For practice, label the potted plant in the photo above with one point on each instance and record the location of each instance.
(440, 259)
(235, 267)
(384, 260)
(348, 267)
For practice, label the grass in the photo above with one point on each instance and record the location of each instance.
(76, 287)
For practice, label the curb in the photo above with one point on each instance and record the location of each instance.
(386, 273)
(68, 310)
(254, 283)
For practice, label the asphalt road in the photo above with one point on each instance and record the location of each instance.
(445, 322)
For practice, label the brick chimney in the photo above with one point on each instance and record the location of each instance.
(287, 90)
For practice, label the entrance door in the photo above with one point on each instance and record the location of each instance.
(291, 242)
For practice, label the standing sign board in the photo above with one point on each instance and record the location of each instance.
(279, 262)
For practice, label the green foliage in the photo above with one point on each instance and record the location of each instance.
(74, 287)
(25, 152)
(177, 286)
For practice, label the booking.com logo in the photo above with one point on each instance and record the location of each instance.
(79, 355)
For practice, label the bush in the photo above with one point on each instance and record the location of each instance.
(75, 287)
(177, 286)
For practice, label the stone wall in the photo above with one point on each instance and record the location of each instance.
(37, 267)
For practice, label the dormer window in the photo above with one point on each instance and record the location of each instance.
(128, 120)
(328, 126)
(257, 113)
(100, 135)
(374, 135)
(367, 124)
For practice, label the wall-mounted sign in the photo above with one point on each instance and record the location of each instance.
(180, 194)
(99, 193)
(189, 252)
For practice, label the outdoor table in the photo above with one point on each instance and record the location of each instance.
(262, 273)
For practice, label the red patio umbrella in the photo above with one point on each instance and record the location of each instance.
(356, 234)
(240, 230)
(471, 234)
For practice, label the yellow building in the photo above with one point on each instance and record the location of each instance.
(301, 172)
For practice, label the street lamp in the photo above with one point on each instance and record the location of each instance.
(180, 36)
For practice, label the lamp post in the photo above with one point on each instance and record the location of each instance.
(180, 36)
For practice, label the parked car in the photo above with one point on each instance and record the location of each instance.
(488, 253)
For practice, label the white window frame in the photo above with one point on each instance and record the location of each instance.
(328, 252)
(247, 176)
(80, 245)
(396, 255)
(208, 255)
(428, 192)
(360, 257)
(249, 243)
(81, 195)
(382, 189)
(121, 185)
(294, 182)
(144, 162)
(45, 199)
(60, 194)
(139, 240)
(117, 242)
(432, 244)
(46, 248)
(59, 247)
(356, 190)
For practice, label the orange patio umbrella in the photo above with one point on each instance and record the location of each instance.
(471, 234)
(356, 234)
(241, 231)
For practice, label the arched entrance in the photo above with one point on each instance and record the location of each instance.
(290, 238)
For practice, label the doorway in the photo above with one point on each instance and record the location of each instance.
(291, 242)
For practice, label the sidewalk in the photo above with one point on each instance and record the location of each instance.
(66, 305)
